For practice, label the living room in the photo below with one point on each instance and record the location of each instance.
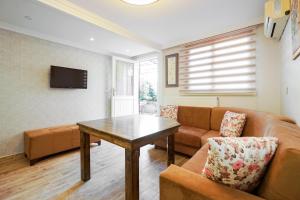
(149, 99)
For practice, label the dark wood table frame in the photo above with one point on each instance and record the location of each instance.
(132, 152)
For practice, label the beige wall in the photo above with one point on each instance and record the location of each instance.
(27, 102)
(268, 83)
(290, 92)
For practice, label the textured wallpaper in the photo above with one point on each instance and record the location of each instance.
(290, 73)
(26, 100)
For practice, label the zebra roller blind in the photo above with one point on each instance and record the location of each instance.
(220, 64)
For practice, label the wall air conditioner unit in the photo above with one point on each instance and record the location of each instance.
(277, 13)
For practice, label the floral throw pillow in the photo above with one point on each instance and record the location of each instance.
(169, 111)
(239, 162)
(232, 124)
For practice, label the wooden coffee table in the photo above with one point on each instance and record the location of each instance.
(131, 133)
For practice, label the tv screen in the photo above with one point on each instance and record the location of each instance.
(62, 77)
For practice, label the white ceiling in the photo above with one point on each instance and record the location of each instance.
(173, 22)
(51, 24)
(163, 24)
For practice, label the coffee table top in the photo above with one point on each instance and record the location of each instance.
(129, 128)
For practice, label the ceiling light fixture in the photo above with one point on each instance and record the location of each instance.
(140, 2)
(28, 17)
(92, 39)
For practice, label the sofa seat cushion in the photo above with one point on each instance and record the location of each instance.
(197, 162)
(209, 134)
(186, 150)
(189, 136)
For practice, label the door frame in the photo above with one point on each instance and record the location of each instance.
(136, 83)
(159, 73)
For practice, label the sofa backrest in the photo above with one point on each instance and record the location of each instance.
(256, 123)
(198, 117)
(282, 179)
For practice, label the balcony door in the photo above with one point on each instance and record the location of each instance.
(125, 76)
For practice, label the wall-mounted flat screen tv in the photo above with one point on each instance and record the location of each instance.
(62, 77)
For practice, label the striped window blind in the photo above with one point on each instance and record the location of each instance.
(220, 64)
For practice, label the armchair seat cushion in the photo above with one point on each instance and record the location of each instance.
(189, 136)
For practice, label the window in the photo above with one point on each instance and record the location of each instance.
(220, 64)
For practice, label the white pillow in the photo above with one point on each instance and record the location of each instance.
(232, 124)
(169, 111)
(239, 162)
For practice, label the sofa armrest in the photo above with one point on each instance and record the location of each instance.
(286, 119)
(177, 183)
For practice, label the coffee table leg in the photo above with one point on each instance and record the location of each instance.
(171, 156)
(85, 156)
(132, 174)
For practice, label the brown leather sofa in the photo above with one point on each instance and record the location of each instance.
(281, 180)
(47, 141)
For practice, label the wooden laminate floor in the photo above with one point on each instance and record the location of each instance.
(58, 177)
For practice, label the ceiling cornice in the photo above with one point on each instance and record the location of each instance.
(178, 44)
(83, 14)
(50, 38)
